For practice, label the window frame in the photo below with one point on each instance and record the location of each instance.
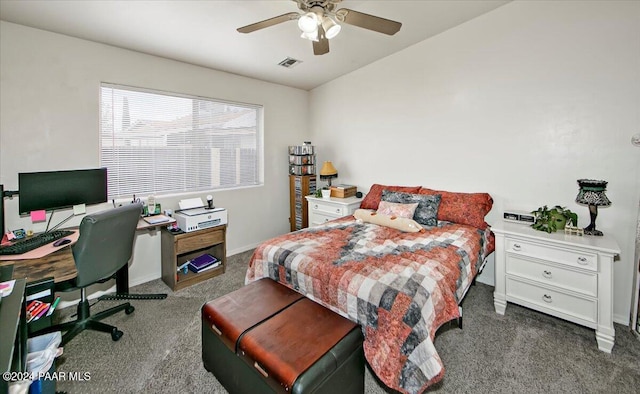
(258, 162)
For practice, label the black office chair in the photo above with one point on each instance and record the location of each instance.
(104, 246)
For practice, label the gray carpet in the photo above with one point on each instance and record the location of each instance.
(523, 351)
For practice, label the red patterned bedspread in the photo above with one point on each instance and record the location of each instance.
(400, 287)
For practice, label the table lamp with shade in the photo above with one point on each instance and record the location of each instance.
(592, 194)
(328, 172)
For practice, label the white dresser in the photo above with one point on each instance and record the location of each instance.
(322, 209)
(567, 276)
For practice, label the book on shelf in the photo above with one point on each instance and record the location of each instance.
(203, 263)
(212, 266)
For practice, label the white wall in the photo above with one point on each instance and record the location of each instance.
(520, 102)
(49, 121)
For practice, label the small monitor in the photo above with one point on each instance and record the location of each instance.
(61, 189)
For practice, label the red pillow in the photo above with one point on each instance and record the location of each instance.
(463, 208)
(372, 199)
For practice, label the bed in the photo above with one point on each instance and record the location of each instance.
(398, 283)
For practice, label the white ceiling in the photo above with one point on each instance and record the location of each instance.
(204, 32)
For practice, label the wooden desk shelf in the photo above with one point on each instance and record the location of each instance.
(181, 247)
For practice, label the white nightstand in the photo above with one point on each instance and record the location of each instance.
(322, 209)
(567, 276)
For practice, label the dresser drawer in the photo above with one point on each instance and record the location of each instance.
(551, 301)
(584, 282)
(546, 252)
(319, 218)
(335, 211)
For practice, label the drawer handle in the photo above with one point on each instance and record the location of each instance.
(516, 247)
(547, 298)
(546, 274)
(216, 329)
(315, 206)
(260, 369)
(338, 210)
(582, 260)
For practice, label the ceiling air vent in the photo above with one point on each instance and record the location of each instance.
(289, 62)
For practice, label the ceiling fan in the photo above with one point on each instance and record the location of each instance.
(320, 21)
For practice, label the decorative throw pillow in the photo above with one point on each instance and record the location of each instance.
(402, 224)
(372, 199)
(427, 211)
(463, 208)
(400, 210)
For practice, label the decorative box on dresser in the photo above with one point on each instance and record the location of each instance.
(322, 209)
(567, 276)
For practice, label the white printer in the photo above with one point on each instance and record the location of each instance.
(193, 216)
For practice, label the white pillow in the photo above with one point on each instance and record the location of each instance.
(402, 224)
(397, 209)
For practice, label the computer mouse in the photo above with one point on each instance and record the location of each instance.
(62, 241)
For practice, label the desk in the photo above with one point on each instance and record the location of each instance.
(57, 265)
(60, 266)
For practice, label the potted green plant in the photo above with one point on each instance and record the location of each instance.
(556, 218)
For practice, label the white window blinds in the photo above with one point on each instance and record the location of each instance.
(160, 143)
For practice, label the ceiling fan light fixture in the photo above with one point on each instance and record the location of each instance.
(308, 22)
(313, 36)
(320, 20)
(331, 28)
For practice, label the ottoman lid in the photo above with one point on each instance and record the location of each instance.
(287, 344)
(236, 312)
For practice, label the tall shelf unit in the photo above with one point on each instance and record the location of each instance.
(299, 187)
(302, 182)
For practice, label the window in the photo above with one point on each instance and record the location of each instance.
(160, 143)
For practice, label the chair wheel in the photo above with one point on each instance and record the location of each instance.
(116, 334)
(129, 310)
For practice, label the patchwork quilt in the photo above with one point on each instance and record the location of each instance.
(400, 287)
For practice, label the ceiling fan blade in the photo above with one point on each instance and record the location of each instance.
(269, 22)
(321, 46)
(370, 22)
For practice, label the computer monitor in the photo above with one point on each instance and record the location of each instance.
(53, 190)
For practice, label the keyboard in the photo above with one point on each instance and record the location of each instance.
(28, 244)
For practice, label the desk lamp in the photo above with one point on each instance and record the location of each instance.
(328, 172)
(592, 194)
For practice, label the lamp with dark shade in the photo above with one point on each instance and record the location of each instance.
(328, 172)
(592, 194)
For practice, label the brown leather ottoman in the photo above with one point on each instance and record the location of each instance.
(267, 338)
